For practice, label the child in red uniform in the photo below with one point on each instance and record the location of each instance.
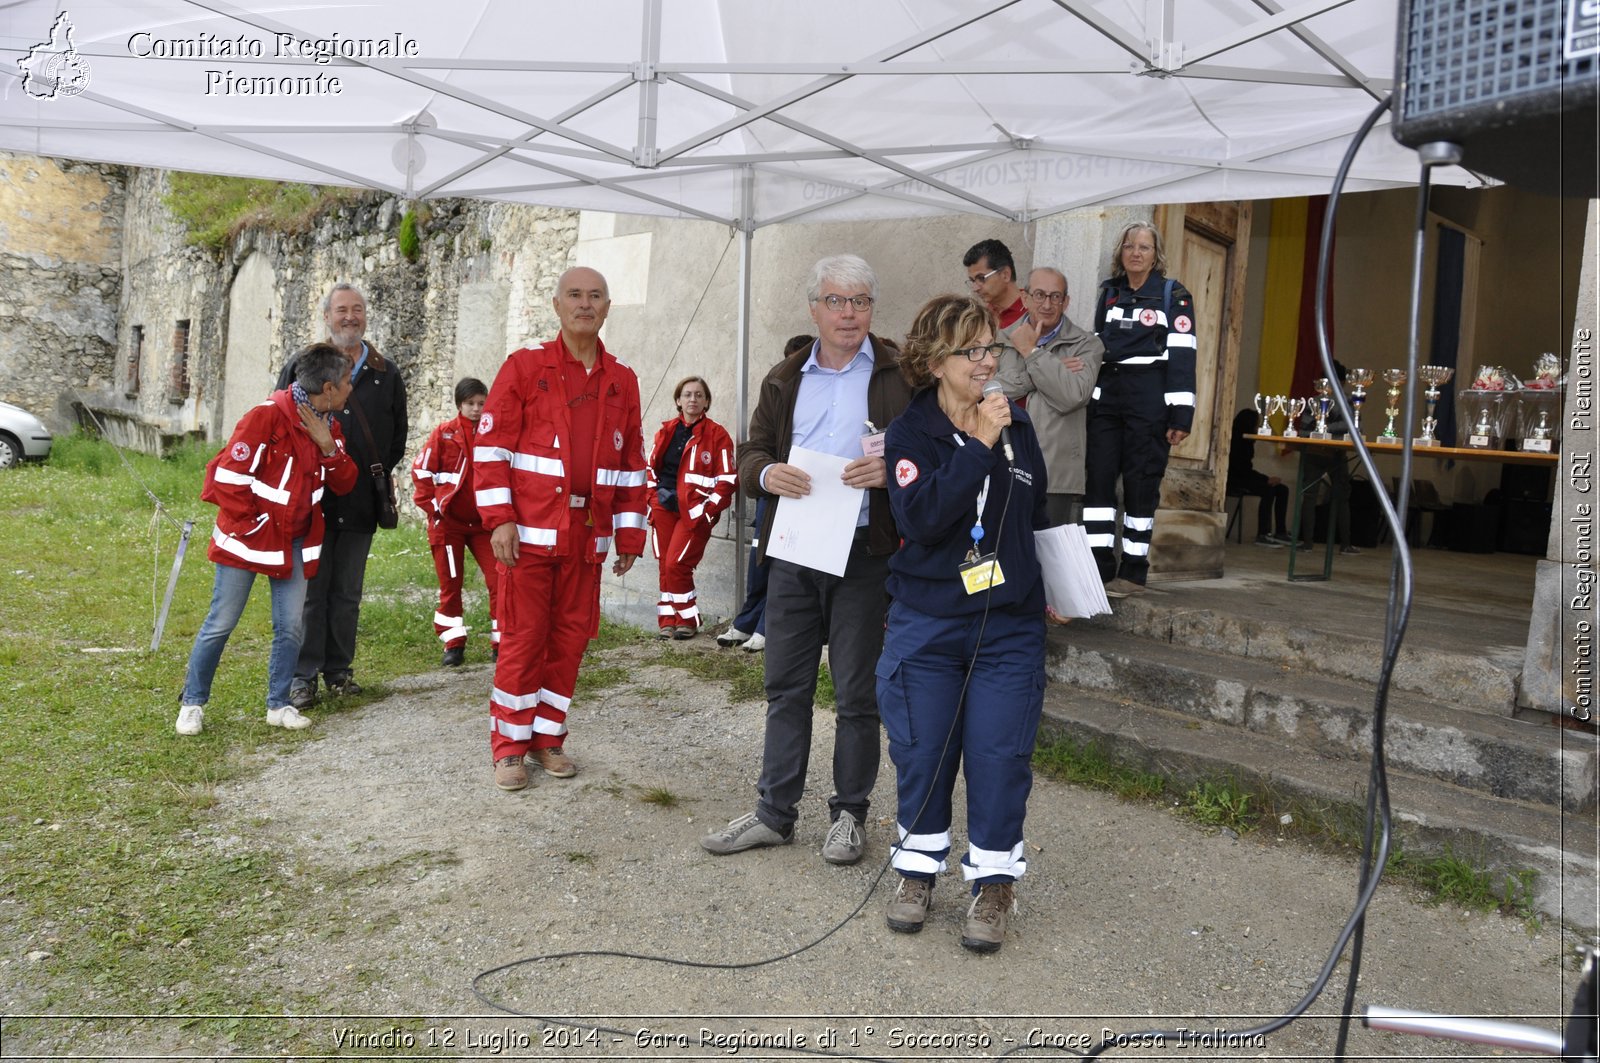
(443, 472)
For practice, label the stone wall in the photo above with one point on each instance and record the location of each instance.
(61, 238)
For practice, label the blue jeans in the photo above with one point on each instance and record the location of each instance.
(229, 593)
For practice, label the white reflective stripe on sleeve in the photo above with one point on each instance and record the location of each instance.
(1179, 398)
(548, 727)
(620, 477)
(310, 553)
(536, 536)
(627, 520)
(981, 863)
(1181, 339)
(602, 544)
(1107, 540)
(238, 549)
(228, 476)
(493, 496)
(697, 511)
(421, 474)
(1138, 523)
(554, 700)
(1134, 548)
(535, 464)
(1144, 359)
(448, 478)
(1099, 513)
(700, 481)
(490, 454)
(515, 732)
(514, 702)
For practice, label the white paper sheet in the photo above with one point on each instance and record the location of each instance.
(1072, 584)
(816, 531)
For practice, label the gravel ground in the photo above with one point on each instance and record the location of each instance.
(1130, 916)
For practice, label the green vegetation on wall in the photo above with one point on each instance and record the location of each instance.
(215, 209)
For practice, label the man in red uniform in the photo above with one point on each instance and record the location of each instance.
(559, 462)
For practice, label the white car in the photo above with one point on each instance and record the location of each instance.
(23, 437)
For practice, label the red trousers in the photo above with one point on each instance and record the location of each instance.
(679, 543)
(549, 610)
(450, 562)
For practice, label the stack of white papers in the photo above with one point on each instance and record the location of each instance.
(1072, 584)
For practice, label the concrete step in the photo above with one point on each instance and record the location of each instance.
(1477, 679)
(1501, 834)
(1331, 716)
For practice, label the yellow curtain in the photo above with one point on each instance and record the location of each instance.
(1280, 325)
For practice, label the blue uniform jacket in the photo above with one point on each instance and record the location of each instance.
(935, 474)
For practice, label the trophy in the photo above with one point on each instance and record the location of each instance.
(1359, 381)
(1394, 378)
(1433, 376)
(1324, 391)
(1296, 407)
(1264, 412)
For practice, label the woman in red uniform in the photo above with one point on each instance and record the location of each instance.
(443, 473)
(691, 481)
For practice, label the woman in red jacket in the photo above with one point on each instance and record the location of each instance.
(444, 493)
(267, 484)
(691, 481)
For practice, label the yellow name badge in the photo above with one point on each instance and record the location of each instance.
(981, 574)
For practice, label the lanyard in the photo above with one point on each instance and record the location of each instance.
(983, 496)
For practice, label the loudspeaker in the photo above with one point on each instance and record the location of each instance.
(1513, 82)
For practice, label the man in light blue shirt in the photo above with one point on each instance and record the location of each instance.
(822, 399)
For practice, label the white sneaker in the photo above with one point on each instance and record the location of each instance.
(732, 637)
(288, 717)
(755, 642)
(191, 718)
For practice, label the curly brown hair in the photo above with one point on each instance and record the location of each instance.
(945, 324)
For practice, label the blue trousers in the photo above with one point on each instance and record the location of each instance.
(989, 736)
(229, 593)
(753, 614)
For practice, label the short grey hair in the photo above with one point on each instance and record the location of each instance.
(342, 286)
(317, 365)
(1049, 269)
(846, 271)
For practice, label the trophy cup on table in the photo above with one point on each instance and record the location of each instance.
(1394, 378)
(1324, 389)
(1264, 414)
(1359, 381)
(1433, 376)
(1294, 407)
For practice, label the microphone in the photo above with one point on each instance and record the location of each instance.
(992, 387)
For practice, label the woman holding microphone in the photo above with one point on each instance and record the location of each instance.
(961, 679)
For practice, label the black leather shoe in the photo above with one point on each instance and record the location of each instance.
(453, 656)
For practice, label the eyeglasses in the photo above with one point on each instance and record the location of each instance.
(837, 303)
(1146, 248)
(1039, 296)
(981, 277)
(978, 354)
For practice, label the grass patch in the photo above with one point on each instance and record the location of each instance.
(1088, 765)
(1222, 804)
(216, 209)
(746, 677)
(660, 797)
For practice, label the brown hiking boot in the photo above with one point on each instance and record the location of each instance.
(555, 762)
(908, 908)
(509, 774)
(985, 930)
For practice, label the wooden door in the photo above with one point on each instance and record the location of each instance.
(1207, 246)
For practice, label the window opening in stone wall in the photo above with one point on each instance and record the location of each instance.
(180, 361)
(135, 356)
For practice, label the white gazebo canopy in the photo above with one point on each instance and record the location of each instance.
(745, 112)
